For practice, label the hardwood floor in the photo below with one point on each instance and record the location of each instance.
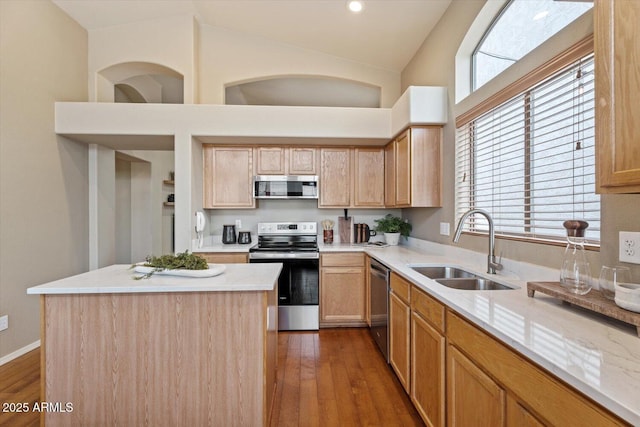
(20, 384)
(337, 377)
(334, 377)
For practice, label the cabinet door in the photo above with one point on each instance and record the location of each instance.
(228, 174)
(335, 177)
(369, 177)
(473, 398)
(342, 296)
(519, 416)
(390, 175)
(399, 324)
(427, 371)
(302, 161)
(426, 166)
(403, 169)
(270, 161)
(617, 54)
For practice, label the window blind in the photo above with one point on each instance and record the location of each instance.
(530, 161)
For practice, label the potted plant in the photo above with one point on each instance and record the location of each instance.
(392, 227)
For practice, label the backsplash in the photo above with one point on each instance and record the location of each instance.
(287, 210)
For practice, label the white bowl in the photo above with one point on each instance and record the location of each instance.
(628, 296)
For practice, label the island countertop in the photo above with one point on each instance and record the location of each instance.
(119, 278)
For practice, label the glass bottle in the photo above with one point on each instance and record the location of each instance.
(575, 275)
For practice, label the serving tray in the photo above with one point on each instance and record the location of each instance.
(213, 270)
(593, 301)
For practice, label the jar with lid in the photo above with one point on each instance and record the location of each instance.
(575, 275)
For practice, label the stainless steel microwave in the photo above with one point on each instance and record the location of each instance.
(285, 187)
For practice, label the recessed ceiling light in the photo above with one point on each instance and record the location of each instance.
(355, 6)
(540, 15)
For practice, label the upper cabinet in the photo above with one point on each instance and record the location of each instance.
(351, 177)
(277, 160)
(228, 177)
(617, 60)
(335, 177)
(414, 168)
(368, 179)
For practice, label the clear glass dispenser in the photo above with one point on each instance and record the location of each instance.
(575, 275)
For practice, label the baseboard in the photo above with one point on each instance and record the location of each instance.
(24, 350)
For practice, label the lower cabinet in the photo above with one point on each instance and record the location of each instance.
(342, 289)
(428, 347)
(474, 399)
(399, 329)
(491, 383)
(458, 375)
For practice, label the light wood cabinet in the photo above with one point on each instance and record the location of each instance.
(390, 175)
(335, 177)
(278, 160)
(228, 177)
(416, 175)
(368, 182)
(428, 358)
(351, 177)
(270, 160)
(399, 329)
(302, 160)
(474, 399)
(531, 394)
(224, 257)
(617, 60)
(342, 289)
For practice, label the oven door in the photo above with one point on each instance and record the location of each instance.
(298, 292)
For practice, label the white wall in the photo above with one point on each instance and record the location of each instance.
(43, 177)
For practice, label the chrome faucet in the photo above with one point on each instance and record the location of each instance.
(492, 265)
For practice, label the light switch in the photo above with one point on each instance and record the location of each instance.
(444, 228)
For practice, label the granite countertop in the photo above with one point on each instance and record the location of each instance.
(118, 278)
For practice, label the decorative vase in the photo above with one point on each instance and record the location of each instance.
(392, 239)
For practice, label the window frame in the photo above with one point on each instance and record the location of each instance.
(522, 87)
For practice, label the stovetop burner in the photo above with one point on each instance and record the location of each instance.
(286, 238)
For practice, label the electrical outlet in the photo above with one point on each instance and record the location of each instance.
(445, 228)
(629, 247)
(238, 224)
(4, 322)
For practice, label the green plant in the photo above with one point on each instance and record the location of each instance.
(393, 224)
(180, 261)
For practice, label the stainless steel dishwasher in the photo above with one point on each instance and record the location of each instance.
(379, 281)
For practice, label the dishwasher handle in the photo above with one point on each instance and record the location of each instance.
(379, 270)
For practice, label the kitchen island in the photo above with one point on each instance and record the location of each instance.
(160, 351)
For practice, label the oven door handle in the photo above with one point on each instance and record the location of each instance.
(275, 256)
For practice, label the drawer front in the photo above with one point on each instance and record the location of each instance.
(427, 307)
(343, 259)
(400, 287)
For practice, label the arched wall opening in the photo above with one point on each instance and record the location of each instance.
(140, 82)
(316, 91)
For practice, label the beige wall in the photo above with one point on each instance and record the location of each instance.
(43, 177)
(227, 56)
(434, 64)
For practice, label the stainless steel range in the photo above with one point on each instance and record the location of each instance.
(295, 245)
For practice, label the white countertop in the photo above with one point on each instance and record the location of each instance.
(597, 356)
(118, 278)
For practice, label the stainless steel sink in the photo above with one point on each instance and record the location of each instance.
(473, 284)
(457, 278)
(442, 272)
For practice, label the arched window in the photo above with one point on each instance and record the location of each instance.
(520, 27)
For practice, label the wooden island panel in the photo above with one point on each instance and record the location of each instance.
(182, 359)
